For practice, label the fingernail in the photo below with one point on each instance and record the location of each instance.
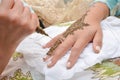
(47, 58)
(68, 65)
(49, 63)
(44, 46)
(98, 48)
(44, 58)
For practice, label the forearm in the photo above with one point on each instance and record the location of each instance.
(96, 13)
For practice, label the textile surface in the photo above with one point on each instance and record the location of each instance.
(27, 62)
(58, 11)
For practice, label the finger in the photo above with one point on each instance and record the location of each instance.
(51, 42)
(46, 58)
(18, 7)
(97, 42)
(26, 16)
(25, 20)
(34, 21)
(7, 4)
(75, 52)
(61, 50)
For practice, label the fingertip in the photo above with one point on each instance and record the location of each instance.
(49, 64)
(48, 60)
(45, 58)
(71, 62)
(34, 20)
(36, 17)
(46, 45)
(68, 65)
(97, 42)
(97, 49)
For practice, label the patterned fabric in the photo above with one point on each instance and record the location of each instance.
(58, 11)
(17, 69)
(114, 6)
(27, 62)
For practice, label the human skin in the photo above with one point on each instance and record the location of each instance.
(81, 37)
(16, 23)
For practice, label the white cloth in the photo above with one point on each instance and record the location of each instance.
(33, 52)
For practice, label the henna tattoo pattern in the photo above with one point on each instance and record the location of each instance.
(79, 24)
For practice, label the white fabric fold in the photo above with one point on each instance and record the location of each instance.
(33, 52)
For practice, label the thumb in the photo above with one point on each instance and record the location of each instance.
(97, 41)
(7, 4)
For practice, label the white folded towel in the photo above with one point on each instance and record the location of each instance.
(33, 52)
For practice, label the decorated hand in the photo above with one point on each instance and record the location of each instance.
(76, 38)
(85, 30)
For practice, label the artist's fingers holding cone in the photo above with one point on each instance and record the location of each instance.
(16, 12)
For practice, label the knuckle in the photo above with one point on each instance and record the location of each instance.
(62, 47)
(27, 27)
(91, 32)
(27, 8)
(24, 23)
(31, 29)
(98, 42)
(3, 14)
(14, 18)
(89, 35)
(74, 57)
(74, 49)
(57, 55)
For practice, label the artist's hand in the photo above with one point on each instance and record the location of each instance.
(76, 42)
(16, 22)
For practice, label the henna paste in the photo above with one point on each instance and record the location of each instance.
(40, 30)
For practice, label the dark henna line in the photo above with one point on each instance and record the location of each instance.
(57, 43)
(79, 24)
(40, 30)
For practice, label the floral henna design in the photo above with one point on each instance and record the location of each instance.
(79, 24)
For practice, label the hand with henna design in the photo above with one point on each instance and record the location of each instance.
(78, 35)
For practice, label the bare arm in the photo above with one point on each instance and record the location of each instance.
(97, 12)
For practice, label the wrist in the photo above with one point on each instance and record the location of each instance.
(6, 50)
(92, 22)
(5, 55)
